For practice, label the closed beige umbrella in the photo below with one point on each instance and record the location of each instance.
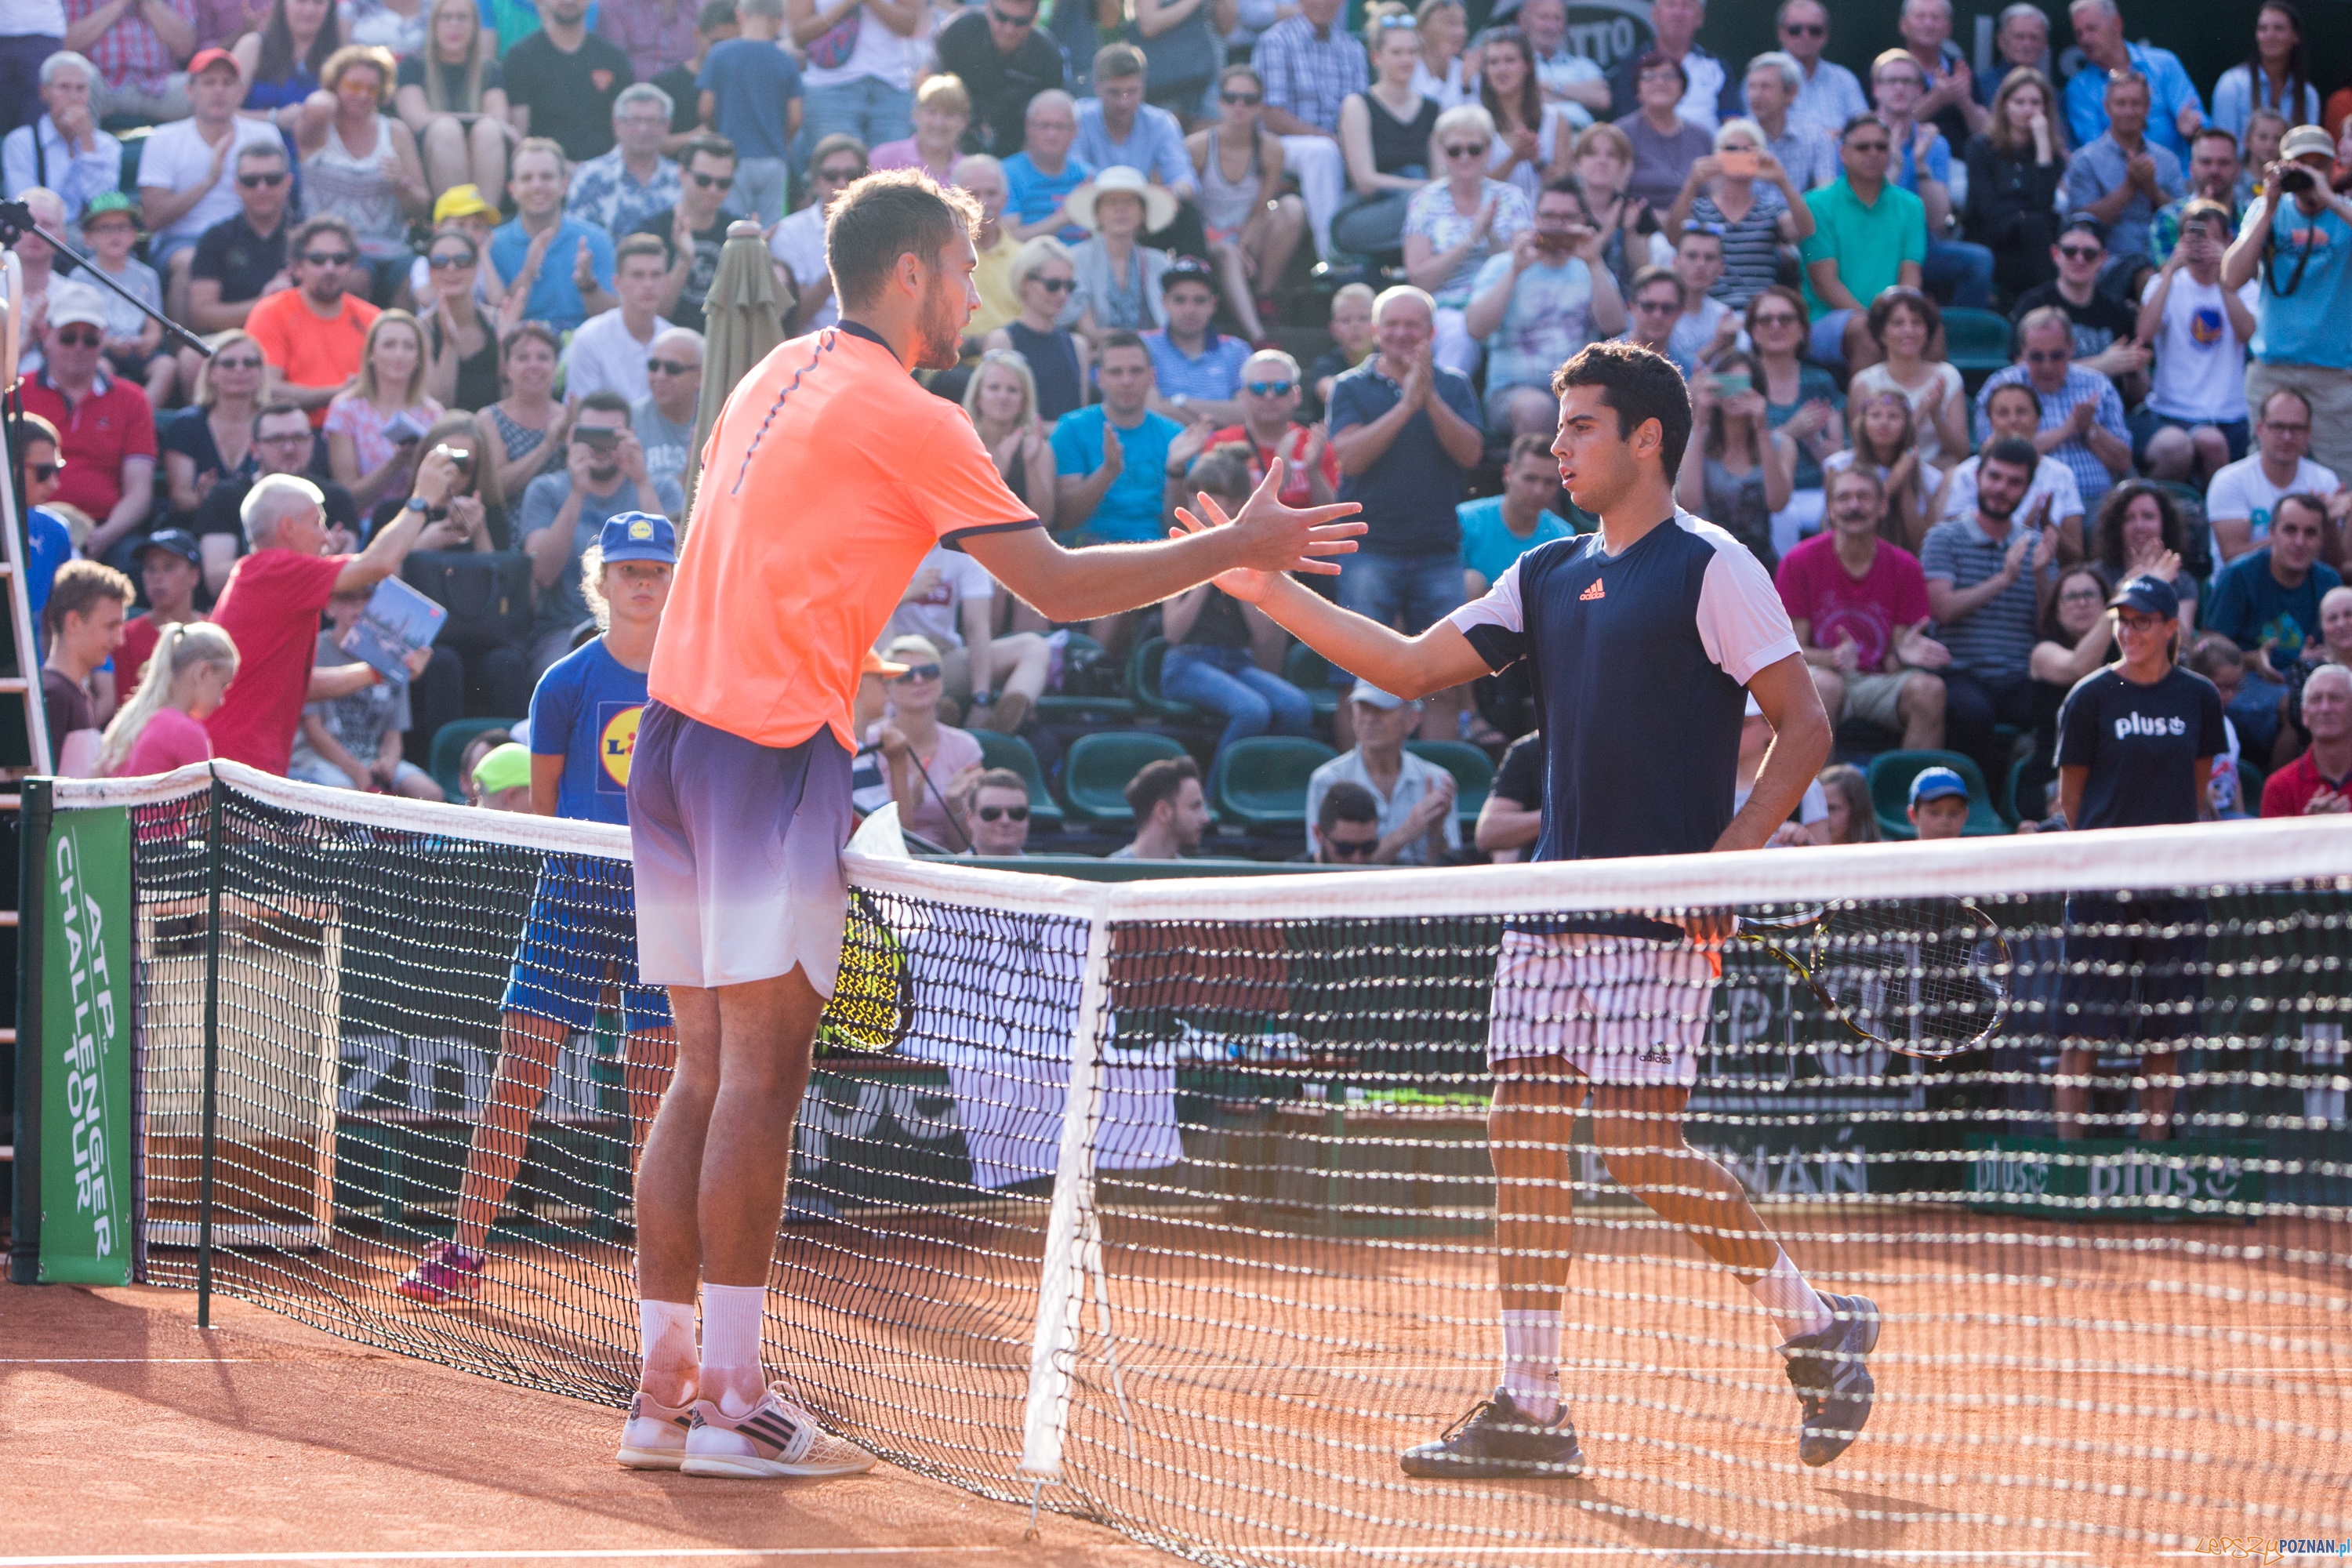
(742, 320)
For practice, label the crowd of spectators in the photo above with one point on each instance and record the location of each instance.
(410, 228)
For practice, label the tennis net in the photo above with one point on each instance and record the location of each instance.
(1175, 1205)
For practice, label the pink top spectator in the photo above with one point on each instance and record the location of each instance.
(129, 54)
(171, 739)
(906, 155)
(353, 416)
(654, 34)
(1817, 588)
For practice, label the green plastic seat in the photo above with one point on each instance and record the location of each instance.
(1078, 712)
(1143, 668)
(1261, 782)
(1890, 775)
(1473, 771)
(449, 743)
(997, 751)
(1096, 772)
(1311, 673)
(1976, 342)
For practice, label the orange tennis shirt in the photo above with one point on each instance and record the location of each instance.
(829, 474)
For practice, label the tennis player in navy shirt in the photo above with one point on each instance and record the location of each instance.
(581, 933)
(2136, 746)
(1643, 640)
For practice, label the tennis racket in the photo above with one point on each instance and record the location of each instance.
(875, 991)
(1924, 978)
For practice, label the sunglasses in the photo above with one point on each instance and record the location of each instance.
(671, 366)
(255, 181)
(1002, 20)
(996, 812)
(1054, 285)
(449, 261)
(224, 364)
(71, 339)
(1468, 150)
(1351, 848)
(1868, 146)
(1252, 98)
(44, 472)
(2079, 252)
(328, 258)
(1657, 305)
(722, 181)
(1777, 319)
(917, 672)
(1271, 388)
(285, 438)
(2048, 356)
(1806, 29)
(838, 176)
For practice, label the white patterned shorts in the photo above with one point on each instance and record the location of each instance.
(1619, 1009)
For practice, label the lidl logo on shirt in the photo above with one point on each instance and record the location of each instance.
(2141, 724)
(2205, 327)
(617, 743)
(1593, 592)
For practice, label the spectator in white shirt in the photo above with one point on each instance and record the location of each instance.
(2239, 502)
(1565, 76)
(2200, 331)
(2016, 410)
(1417, 820)
(608, 351)
(63, 149)
(1829, 95)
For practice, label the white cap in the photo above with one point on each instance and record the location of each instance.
(70, 302)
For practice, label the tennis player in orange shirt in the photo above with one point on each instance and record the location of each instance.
(828, 476)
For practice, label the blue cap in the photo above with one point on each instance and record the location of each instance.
(2152, 594)
(638, 536)
(1937, 783)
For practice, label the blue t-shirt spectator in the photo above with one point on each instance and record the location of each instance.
(1130, 509)
(750, 82)
(1489, 545)
(1215, 372)
(1031, 194)
(585, 710)
(2170, 90)
(1940, 165)
(2250, 607)
(50, 547)
(2314, 256)
(553, 299)
(1409, 496)
(1154, 143)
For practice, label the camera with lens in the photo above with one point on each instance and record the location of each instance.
(2294, 179)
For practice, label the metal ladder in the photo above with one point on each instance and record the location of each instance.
(25, 684)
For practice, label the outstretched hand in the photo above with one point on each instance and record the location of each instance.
(1273, 538)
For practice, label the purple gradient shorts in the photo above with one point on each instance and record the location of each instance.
(738, 853)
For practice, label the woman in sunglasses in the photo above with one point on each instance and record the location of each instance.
(921, 764)
(1253, 227)
(211, 439)
(1452, 227)
(359, 164)
(374, 432)
(1045, 275)
(463, 368)
(1384, 137)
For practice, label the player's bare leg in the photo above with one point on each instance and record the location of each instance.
(648, 1059)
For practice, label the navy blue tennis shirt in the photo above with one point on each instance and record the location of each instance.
(1640, 664)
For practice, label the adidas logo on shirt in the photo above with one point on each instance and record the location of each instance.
(1595, 592)
(2140, 724)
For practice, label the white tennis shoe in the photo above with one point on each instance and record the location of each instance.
(774, 1437)
(655, 1436)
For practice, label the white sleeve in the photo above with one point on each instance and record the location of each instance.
(2065, 492)
(1742, 624)
(2226, 497)
(1815, 806)
(1497, 623)
(1961, 499)
(2331, 483)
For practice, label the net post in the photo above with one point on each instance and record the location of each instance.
(215, 864)
(32, 894)
(1062, 1280)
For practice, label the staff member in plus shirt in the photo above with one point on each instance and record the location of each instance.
(2136, 744)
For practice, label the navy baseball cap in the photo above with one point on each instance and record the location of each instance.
(1937, 783)
(2153, 594)
(178, 541)
(638, 536)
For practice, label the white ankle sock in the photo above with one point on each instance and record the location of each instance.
(1795, 1305)
(665, 1341)
(1531, 1361)
(732, 1317)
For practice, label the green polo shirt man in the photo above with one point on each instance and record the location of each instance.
(1868, 235)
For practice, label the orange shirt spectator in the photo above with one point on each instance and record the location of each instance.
(312, 335)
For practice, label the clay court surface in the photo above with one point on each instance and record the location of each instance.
(2048, 1393)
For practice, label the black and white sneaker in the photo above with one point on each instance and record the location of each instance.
(1833, 1381)
(1498, 1440)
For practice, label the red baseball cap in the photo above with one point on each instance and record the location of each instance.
(207, 58)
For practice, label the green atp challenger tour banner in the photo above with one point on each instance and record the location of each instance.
(86, 1109)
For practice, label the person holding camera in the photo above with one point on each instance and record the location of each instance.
(2300, 240)
(1536, 304)
(562, 514)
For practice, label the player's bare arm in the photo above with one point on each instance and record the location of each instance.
(1800, 749)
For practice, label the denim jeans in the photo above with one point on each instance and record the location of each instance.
(1223, 680)
(1410, 592)
(1959, 270)
(868, 109)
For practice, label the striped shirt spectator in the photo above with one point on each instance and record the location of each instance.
(2099, 450)
(1307, 75)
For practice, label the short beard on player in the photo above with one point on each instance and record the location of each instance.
(939, 334)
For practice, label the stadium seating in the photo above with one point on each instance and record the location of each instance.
(1082, 709)
(1143, 667)
(1890, 775)
(449, 743)
(1012, 752)
(1261, 782)
(1976, 342)
(1311, 673)
(1473, 771)
(1096, 773)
